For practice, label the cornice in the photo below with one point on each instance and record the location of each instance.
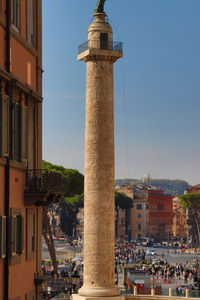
(15, 81)
(100, 55)
(111, 59)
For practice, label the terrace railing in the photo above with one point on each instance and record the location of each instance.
(100, 45)
(42, 186)
(43, 180)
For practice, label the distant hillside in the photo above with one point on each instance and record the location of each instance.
(172, 187)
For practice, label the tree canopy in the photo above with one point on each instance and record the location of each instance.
(73, 185)
(73, 180)
(69, 208)
(190, 200)
(122, 201)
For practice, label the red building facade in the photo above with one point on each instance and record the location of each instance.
(160, 215)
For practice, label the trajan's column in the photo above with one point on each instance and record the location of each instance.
(100, 53)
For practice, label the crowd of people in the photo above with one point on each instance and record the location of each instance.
(68, 279)
(126, 253)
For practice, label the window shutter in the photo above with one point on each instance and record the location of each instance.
(0, 7)
(4, 237)
(33, 236)
(13, 234)
(17, 133)
(4, 125)
(20, 234)
(1, 237)
(1, 125)
(30, 239)
(30, 33)
(12, 11)
(24, 133)
(17, 13)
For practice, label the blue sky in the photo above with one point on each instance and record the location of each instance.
(157, 86)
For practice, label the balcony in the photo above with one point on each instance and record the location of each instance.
(42, 187)
(100, 45)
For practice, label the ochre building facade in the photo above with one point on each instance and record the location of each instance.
(22, 189)
(152, 212)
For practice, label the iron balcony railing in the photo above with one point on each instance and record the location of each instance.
(40, 180)
(100, 45)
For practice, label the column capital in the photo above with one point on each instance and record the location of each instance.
(100, 55)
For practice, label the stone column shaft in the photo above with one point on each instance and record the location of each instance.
(99, 202)
(99, 265)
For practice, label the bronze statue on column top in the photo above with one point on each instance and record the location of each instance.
(100, 6)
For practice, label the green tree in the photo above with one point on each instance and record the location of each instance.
(73, 185)
(122, 201)
(69, 208)
(73, 180)
(192, 202)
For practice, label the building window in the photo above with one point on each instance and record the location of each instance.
(139, 226)
(160, 206)
(139, 216)
(139, 206)
(30, 22)
(30, 234)
(4, 125)
(15, 13)
(104, 41)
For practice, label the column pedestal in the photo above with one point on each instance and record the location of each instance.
(78, 297)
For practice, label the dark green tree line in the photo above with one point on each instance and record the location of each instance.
(122, 201)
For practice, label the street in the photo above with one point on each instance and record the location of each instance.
(172, 255)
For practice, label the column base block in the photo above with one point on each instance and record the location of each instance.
(78, 297)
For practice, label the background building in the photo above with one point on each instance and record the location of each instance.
(160, 215)
(139, 213)
(152, 212)
(23, 185)
(179, 220)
